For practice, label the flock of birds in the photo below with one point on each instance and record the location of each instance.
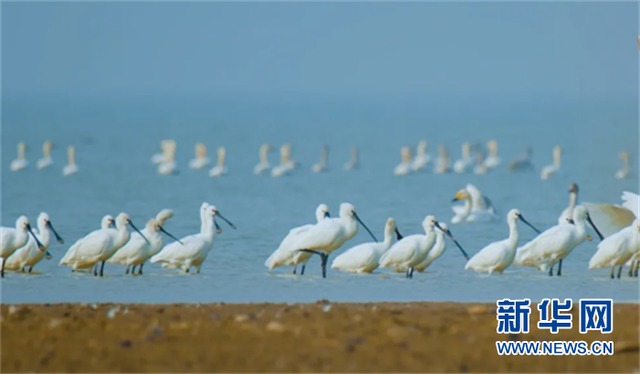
(474, 159)
(616, 225)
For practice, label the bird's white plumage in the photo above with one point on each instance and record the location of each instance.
(618, 248)
(14, 238)
(364, 258)
(611, 218)
(410, 250)
(477, 207)
(30, 254)
(436, 251)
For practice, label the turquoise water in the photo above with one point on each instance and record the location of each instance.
(116, 138)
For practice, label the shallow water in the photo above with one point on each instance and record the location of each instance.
(115, 140)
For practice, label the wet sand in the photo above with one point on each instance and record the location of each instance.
(318, 337)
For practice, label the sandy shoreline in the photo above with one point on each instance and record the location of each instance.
(266, 337)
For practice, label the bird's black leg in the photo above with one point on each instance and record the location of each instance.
(551, 271)
(304, 266)
(140, 269)
(411, 269)
(126, 271)
(635, 273)
(2, 269)
(95, 270)
(295, 267)
(631, 269)
(30, 268)
(102, 269)
(612, 270)
(619, 271)
(323, 259)
(560, 268)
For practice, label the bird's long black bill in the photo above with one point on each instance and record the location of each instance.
(169, 235)
(40, 246)
(398, 235)
(226, 220)
(365, 226)
(528, 224)
(594, 227)
(450, 235)
(138, 231)
(327, 215)
(58, 238)
(218, 229)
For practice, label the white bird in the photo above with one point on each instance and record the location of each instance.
(353, 162)
(405, 166)
(438, 248)
(442, 164)
(168, 165)
(617, 249)
(137, 251)
(611, 218)
(201, 160)
(219, 169)
(461, 165)
(422, 159)
(492, 161)
(30, 254)
(69, 258)
(567, 213)
(477, 207)
(286, 165)
(554, 168)
(555, 244)
(46, 156)
(71, 167)
(100, 245)
(14, 238)
(364, 258)
(322, 165)
(411, 250)
(330, 234)
(264, 161)
(21, 162)
(522, 164)
(193, 249)
(481, 165)
(624, 172)
(159, 158)
(287, 254)
(497, 256)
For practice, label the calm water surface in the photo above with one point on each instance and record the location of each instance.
(115, 140)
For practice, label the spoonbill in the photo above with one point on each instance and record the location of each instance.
(353, 162)
(438, 248)
(21, 162)
(477, 207)
(554, 168)
(522, 164)
(617, 249)
(322, 165)
(481, 165)
(443, 162)
(286, 165)
(611, 218)
(201, 160)
(461, 165)
(71, 167)
(411, 250)
(492, 161)
(422, 159)
(364, 258)
(330, 234)
(624, 172)
(567, 213)
(219, 169)
(405, 166)
(497, 256)
(69, 258)
(100, 245)
(159, 158)
(30, 254)
(192, 250)
(137, 251)
(168, 165)
(14, 238)
(555, 244)
(264, 161)
(46, 156)
(287, 254)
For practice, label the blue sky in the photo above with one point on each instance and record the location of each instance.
(358, 49)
